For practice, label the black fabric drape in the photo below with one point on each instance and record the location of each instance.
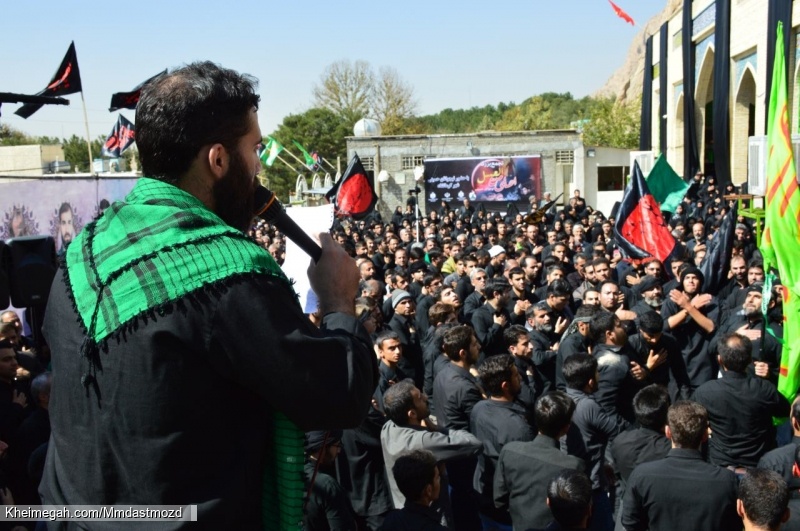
(662, 90)
(691, 161)
(722, 92)
(778, 10)
(645, 133)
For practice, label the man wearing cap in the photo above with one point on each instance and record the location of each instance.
(497, 257)
(402, 323)
(691, 318)
(651, 293)
(328, 506)
(767, 353)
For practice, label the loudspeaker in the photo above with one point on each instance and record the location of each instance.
(4, 265)
(31, 271)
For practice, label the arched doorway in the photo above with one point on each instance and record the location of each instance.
(704, 103)
(744, 125)
(677, 142)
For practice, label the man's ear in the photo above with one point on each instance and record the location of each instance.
(218, 160)
(668, 432)
(740, 508)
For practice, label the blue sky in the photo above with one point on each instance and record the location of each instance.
(454, 54)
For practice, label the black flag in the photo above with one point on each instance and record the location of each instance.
(67, 80)
(353, 194)
(120, 139)
(717, 263)
(128, 100)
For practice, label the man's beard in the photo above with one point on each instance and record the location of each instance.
(233, 194)
(545, 328)
(654, 302)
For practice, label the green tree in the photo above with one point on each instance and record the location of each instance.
(76, 154)
(12, 137)
(319, 130)
(613, 124)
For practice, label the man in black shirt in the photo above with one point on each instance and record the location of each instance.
(781, 460)
(763, 502)
(418, 478)
(591, 431)
(658, 353)
(575, 340)
(492, 318)
(740, 408)
(520, 348)
(544, 340)
(682, 491)
(524, 469)
(648, 441)
(328, 506)
(691, 317)
(496, 422)
(403, 324)
(456, 391)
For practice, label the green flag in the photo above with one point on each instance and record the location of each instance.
(780, 244)
(310, 162)
(271, 151)
(666, 186)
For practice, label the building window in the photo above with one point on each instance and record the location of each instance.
(409, 163)
(611, 178)
(368, 163)
(565, 157)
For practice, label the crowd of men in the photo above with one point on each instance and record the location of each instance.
(531, 378)
(517, 356)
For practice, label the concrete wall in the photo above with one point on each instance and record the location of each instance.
(30, 160)
(388, 152)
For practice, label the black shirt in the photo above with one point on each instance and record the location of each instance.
(693, 342)
(680, 492)
(740, 411)
(455, 393)
(574, 343)
(328, 508)
(495, 424)
(589, 434)
(634, 447)
(781, 460)
(412, 517)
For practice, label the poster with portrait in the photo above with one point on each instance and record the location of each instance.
(493, 181)
(55, 207)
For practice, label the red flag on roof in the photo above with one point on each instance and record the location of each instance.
(353, 195)
(120, 139)
(620, 13)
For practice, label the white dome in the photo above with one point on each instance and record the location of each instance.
(367, 127)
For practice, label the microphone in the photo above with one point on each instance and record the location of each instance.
(271, 210)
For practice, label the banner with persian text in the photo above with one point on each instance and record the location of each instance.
(488, 180)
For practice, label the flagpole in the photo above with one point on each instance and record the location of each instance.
(328, 163)
(88, 138)
(295, 157)
(284, 161)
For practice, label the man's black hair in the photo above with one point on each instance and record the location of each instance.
(765, 497)
(601, 323)
(569, 495)
(512, 334)
(651, 322)
(495, 285)
(398, 401)
(735, 351)
(579, 369)
(494, 371)
(194, 106)
(385, 336)
(413, 472)
(553, 412)
(559, 288)
(650, 406)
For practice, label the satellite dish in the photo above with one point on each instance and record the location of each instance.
(419, 173)
(383, 176)
(367, 127)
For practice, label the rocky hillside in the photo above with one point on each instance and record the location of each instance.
(626, 83)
